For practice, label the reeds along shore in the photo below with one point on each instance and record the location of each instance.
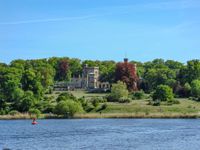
(105, 115)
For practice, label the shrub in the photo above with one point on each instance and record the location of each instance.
(182, 91)
(163, 93)
(48, 108)
(103, 106)
(95, 102)
(195, 88)
(83, 101)
(34, 112)
(138, 95)
(89, 108)
(68, 108)
(2, 112)
(118, 91)
(154, 103)
(13, 112)
(124, 100)
(65, 96)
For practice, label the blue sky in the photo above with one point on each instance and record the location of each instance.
(100, 29)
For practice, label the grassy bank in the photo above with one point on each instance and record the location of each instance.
(135, 109)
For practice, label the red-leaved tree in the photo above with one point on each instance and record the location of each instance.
(63, 72)
(126, 72)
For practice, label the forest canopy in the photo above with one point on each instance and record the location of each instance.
(24, 83)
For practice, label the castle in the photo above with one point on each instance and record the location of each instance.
(89, 80)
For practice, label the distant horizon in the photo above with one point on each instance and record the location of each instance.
(100, 30)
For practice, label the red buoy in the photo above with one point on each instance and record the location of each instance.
(34, 122)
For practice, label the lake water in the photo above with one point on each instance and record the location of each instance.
(101, 134)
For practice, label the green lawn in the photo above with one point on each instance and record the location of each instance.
(81, 93)
(140, 108)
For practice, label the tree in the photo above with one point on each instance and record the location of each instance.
(75, 67)
(65, 96)
(155, 77)
(126, 72)
(27, 102)
(46, 75)
(175, 65)
(107, 69)
(195, 88)
(68, 108)
(34, 113)
(163, 93)
(119, 91)
(193, 70)
(182, 91)
(140, 68)
(9, 80)
(190, 72)
(63, 72)
(32, 82)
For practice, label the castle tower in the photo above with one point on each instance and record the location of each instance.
(125, 60)
(90, 77)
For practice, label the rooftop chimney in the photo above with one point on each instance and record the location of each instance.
(125, 60)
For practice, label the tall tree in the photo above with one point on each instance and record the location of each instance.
(126, 72)
(63, 71)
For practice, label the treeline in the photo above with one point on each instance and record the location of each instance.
(25, 83)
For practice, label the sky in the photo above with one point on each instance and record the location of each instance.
(141, 30)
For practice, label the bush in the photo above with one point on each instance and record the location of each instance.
(124, 100)
(154, 103)
(182, 91)
(2, 112)
(68, 108)
(34, 112)
(48, 108)
(95, 102)
(103, 106)
(13, 112)
(163, 93)
(195, 88)
(89, 108)
(65, 96)
(138, 95)
(118, 91)
(83, 101)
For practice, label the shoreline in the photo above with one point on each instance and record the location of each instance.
(108, 116)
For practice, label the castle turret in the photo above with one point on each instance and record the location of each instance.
(125, 60)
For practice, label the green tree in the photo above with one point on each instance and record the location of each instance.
(75, 67)
(27, 102)
(193, 70)
(119, 91)
(163, 93)
(68, 108)
(175, 65)
(34, 113)
(195, 88)
(65, 96)
(9, 80)
(155, 77)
